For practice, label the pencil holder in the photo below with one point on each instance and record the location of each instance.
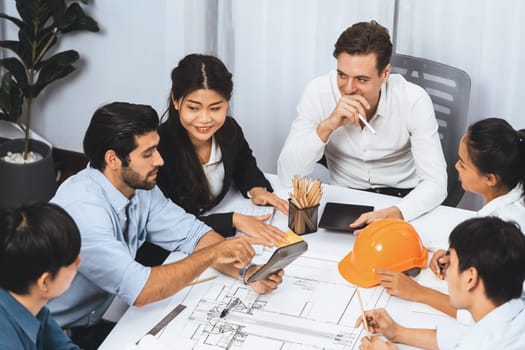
(302, 220)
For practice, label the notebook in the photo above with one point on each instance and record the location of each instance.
(338, 216)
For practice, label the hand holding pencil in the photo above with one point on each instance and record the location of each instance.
(378, 321)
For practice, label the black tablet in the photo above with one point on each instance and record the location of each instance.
(338, 216)
(281, 258)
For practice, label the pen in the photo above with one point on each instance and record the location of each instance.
(443, 266)
(229, 307)
(361, 118)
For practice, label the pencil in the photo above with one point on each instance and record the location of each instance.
(202, 280)
(365, 324)
(361, 118)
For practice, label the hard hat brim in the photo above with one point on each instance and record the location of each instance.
(355, 276)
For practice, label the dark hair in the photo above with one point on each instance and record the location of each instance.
(194, 72)
(496, 249)
(496, 148)
(114, 126)
(364, 38)
(35, 239)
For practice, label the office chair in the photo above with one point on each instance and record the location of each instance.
(449, 90)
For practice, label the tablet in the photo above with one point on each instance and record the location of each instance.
(281, 258)
(338, 216)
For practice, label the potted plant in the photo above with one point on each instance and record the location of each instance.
(24, 76)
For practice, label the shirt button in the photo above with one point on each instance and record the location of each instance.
(93, 312)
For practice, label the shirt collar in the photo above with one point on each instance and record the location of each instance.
(20, 315)
(502, 316)
(117, 200)
(215, 153)
(499, 202)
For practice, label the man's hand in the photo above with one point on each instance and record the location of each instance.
(237, 250)
(267, 285)
(255, 226)
(379, 321)
(374, 343)
(260, 196)
(346, 112)
(392, 212)
(399, 284)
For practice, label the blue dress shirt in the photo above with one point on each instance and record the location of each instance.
(19, 329)
(108, 267)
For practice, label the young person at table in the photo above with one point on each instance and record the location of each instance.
(492, 164)
(485, 271)
(205, 151)
(118, 207)
(39, 247)
(404, 156)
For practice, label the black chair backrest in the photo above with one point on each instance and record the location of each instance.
(449, 90)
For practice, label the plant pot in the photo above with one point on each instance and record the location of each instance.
(26, 183)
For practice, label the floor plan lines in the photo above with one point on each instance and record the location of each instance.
(314, 308)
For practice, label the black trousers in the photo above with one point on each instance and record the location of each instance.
(90, 338)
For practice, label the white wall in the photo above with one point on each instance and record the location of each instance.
(273, 48)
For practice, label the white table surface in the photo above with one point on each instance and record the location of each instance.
(433, 227)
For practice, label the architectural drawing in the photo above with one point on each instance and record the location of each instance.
(314, 308)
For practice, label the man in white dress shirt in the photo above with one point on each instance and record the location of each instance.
(399, 155)
(485, 273)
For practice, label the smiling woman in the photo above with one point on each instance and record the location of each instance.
(206, 152)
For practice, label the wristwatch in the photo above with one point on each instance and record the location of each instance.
(242, 272)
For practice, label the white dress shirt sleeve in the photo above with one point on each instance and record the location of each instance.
(303, 147)
(428, 158)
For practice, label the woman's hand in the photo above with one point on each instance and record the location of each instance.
(399, 284)
(261, 196)
(438, 258)
(257, 227)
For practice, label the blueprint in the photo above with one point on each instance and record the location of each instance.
(314, 308)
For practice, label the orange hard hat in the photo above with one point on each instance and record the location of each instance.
(390, 244)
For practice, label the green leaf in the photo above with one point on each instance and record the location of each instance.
(61, 59)
(75, 19)
(16, 21)
(11, 99)
(49, 73)
(17, 70)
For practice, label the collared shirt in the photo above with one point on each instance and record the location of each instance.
(509, 207)
(108, 267)
(502, 328)
(214, 170)
(19, 329)
(405, 152)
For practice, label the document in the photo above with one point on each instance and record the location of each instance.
(314, 308)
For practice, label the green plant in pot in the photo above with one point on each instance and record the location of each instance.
(24, 76)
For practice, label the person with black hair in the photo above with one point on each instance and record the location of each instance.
(373, 130)
(492, 164)
(205, 151)
(485, 271)
(118, 207)
(39, 257)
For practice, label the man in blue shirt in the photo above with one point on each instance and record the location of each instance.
(117, 206)
(39, 256)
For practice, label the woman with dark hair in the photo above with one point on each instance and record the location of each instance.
(39, 257)
(205, 151)
(492, 164)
